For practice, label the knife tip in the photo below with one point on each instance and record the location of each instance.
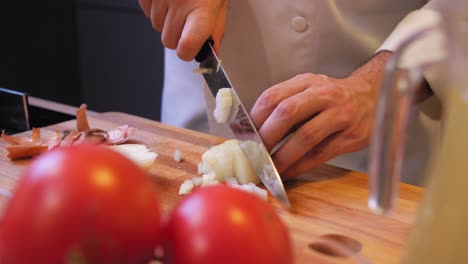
(284, 201)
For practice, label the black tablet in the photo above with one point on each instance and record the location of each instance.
(14, 114)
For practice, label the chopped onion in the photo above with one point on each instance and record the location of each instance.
(223, 105)
(209, 179)
(186, 187)
(201, 168)
(227, 160)
(138, 153)
(197, 181)
(218, 161)
(234, 106)
(203, 70)
(232, 181)
(228, 163)
(177, 155)
(251, 188)
(226, 105)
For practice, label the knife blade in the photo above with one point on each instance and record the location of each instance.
(240, 123)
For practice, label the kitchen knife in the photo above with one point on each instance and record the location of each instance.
(240, 123)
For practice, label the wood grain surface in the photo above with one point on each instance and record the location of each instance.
(328, 211)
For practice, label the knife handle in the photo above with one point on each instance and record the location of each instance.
(205, 50)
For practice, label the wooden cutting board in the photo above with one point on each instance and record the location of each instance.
(330, 204)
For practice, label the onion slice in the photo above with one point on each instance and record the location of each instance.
(138, 153)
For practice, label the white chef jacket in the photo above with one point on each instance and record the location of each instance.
(267, 42)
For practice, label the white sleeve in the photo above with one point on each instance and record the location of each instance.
(183, 103)
(427, 49)
(413, 22)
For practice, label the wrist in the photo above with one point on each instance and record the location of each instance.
(373, 73)
(373, 70)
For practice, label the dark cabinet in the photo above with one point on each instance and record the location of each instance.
(100, 52)
(121, 58)
(38, 49)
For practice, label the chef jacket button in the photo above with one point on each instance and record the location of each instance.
(299, 24)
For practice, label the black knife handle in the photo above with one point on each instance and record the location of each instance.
(205, 50)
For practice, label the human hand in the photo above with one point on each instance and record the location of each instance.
(186, 24)
(342, 112)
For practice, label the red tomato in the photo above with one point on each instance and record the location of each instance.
(220, 224)
(81, 204)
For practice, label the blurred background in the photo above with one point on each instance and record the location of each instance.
(100, 52)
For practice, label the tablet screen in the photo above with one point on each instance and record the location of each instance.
(14, 116)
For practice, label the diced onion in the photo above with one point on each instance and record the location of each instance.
(230, 163)
(201, 168)
(209, 179)
(197, 181)
(223, 105)
(177, 155)
(138, 153)
(251, 188)
(186, 187)
(203, 70)
(232, 181)
(234, 107)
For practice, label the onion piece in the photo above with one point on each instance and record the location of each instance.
(203, 70)
(197, 181)
(35, 138)
(209, 179)
(177, 155)
(138, 153)
(231, 181)
(223, 105)
(227, 160)
(228, 163)
(82, 119)
(24, 151)
(201, 168)
(218, 160)
(251, 188)
(234, 107)
(186, 187)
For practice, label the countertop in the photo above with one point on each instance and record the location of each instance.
(329, 203)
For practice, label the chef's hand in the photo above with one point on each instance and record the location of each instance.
(186, 24)
(342, 111)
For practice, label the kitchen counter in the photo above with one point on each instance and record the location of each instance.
(329, 203)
